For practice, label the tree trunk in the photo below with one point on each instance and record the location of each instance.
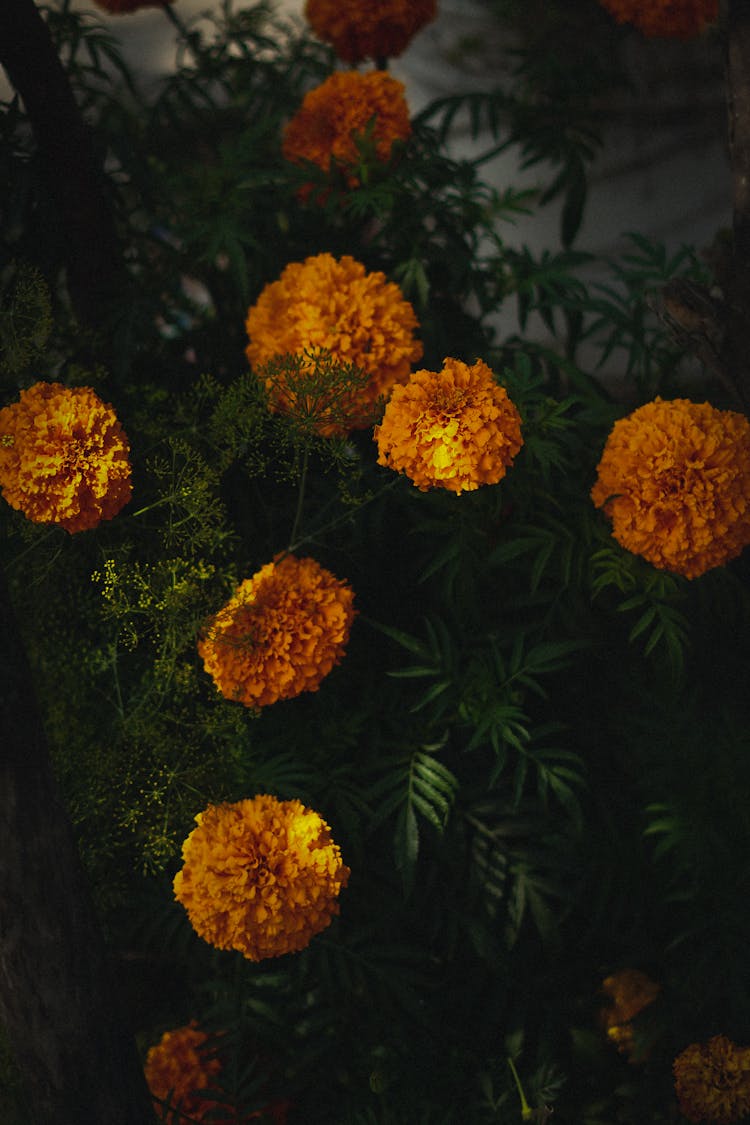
(736, 353)
(73, 172)
(58, 1005)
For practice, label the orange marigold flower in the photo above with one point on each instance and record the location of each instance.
(336, 306)
(712, 1081)
(674, 478)
(125, 7)
(280, 634)
(360, 29)
(629, 991)
(333, 115)
(453, 429)
(672, 19)
(178, 1068)
(63, 457)
(261, 876)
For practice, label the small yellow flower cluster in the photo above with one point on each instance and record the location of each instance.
(455, 429)
(674, 478)
(280, 634)
(325, 128)
(64, 457)
(712, 1081)
(629, 991)
(335, 305)
(177, 1068)
(671, 19)
(261, 876)
(361, 29)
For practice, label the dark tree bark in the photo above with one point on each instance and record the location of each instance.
(73, 173)
(736, 352)
(58, 1005)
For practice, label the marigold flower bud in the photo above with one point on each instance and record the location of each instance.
(629, 991)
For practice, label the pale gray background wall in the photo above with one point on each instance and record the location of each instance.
(663, 170)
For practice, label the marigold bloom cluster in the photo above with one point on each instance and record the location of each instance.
(280, 634)
(261, 876)
(325, 128)
(64, 457)
(335, 305)
(125, 7)
(454, 429)
(672, 19)
(629, 991)
(712, 1081)
(361, 29)
(674, 478)
(178, 1068)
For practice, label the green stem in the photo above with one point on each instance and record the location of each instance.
(300, 498)
(525, 1107)
(344, 516)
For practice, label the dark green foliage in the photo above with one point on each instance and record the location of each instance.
(534, 755)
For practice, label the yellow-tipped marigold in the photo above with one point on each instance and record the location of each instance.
(325, 128)
(454, 429)
(671, 19)
(261, 876)
(628, 991)
(280, 634)
(64, 457)
(674, 479)
(178, 1068)
(336, 306)
(712, 1081)
(360, 29)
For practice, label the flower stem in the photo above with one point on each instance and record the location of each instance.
(525, 1107)
(300, 497)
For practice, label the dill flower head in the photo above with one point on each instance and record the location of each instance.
(335, 306)
(674, 479)
(125, 7)
(178, 1068)
(628, 991)
(712, 1081)
(280, 634)
(453, 429)
(342, 109)
(360, 29)
(63, 457)
(672, 19)
(261, 876)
